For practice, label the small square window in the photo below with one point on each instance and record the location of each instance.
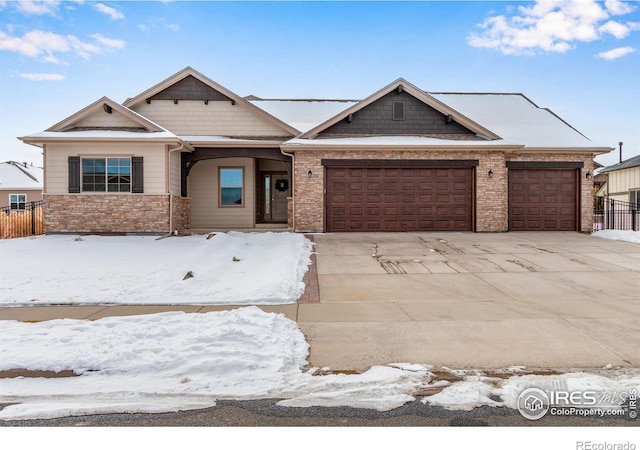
(18, 201)
(231, 186)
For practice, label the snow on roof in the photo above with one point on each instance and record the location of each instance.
(227, 139)
(14, 175)
(627, 164)
(303, 115)
(399, 141)
(100, 134)
(516, 119)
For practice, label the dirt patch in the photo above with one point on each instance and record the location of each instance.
(15, 373)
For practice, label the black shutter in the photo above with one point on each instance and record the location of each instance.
(74, 174)
(137, 175)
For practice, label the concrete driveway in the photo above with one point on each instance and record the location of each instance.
(465, 300)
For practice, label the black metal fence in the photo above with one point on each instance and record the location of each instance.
(21, 220)
(617, 215)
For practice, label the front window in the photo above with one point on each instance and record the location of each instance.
(106, 174)
(18, 201)
(231, 186)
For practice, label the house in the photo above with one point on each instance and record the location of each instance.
(20, 183)
(188, 153)
(622, 181)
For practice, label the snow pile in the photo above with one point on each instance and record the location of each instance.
(478, 389)
(619, 235)
(175, 361)
(230, 268)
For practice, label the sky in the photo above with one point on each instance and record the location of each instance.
(580, 58)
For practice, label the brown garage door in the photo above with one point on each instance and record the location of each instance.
(543, 199)
(399, 199)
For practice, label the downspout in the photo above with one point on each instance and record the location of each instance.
(293, 186)
(181, 147)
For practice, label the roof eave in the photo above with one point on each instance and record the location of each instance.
(454, 147)
(594, 150)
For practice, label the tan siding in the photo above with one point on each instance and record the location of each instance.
(204, 188)
(103, 119)
(190, 117)
(56, 162)
(32, 195)
(620, 182)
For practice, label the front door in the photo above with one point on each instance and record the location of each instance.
(274, 190)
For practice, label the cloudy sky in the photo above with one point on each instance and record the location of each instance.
(580, 58)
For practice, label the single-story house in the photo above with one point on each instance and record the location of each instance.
(20, 183)
(622, 181)
(188, 153)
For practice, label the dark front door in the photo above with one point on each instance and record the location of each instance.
(274, 190)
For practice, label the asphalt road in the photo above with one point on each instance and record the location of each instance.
(265, 413)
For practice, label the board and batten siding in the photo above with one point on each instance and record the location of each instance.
(57, 167)
(218, 118)
(204, 192)
(620, 182)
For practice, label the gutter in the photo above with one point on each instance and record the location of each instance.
(293, 186)
(171, 150)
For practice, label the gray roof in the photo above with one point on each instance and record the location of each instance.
(628, 164)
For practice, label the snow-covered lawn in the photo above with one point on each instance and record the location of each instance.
(177, 361)
(619, 235)
(229, 268)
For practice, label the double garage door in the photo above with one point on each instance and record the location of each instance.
(441, 198)
(399, 198)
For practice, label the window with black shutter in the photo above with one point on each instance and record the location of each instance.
(74, 174)
(137, 175)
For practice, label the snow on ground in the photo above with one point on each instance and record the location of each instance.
(230, 268)
(175, 361)
(178, 361)
(619, 235)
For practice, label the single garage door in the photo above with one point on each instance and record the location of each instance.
(399, 198)
(543, 199)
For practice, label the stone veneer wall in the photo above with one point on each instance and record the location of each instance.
(181, 213)
(491, 195)
(106, 213)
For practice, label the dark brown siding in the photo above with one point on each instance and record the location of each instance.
(399, 199)
(189, 88)
(377, 118)
(543, 200)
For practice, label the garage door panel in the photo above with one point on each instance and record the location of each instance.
(400, 199)
(543, 199)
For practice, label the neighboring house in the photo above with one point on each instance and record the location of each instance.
(622, 181)
(190, 154)
(20, 183)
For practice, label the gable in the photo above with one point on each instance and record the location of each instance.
(105, 114)
(204, 108)
(190, 88)
(398, 113)
(101, 119)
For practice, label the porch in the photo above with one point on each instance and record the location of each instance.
(244, 189)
